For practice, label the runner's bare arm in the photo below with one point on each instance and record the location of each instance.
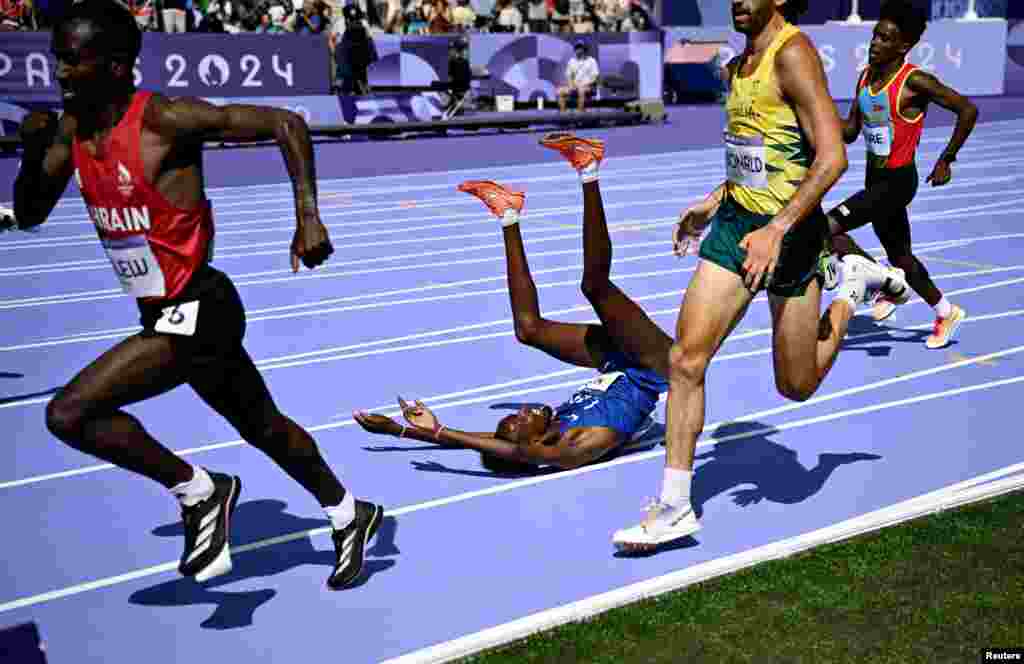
(923, 84)
(693, 221)
(574, 448)
(852, 124)
(802, 81)
(382, 424)
(728, 69)
(191, 119)
(46, 166)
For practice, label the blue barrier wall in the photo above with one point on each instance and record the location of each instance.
(293, 70)
(716, 13)
(969, 56)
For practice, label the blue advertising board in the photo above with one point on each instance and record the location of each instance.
(969, 56)
(190, 64)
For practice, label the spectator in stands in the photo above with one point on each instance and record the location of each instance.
(560, 10)
(143, 12)
(17, 15)
(310, 19)
(272, 20)
(626, 24)
(10, 16)
(335, 31)
(438, 15)
(370, 13)
(509, 18)
(279, 15)
(393, 16)
(618, 12)
(173, 14)
(338, 21)
(212, 19)
(463, 16)
(229, 15)
(538, 17)
(354, 54)
(638, 18)
(581, 77)
(460, 73)
(483, 9)
(245, 14)
(605, 15)
(579, 16)
(414, 19)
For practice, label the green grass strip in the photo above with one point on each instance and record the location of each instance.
(935, 589)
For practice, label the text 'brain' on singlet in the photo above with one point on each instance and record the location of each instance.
(153, 246)
(767, 154)
(891, 139)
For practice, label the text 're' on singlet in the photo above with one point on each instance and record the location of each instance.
(891, 138)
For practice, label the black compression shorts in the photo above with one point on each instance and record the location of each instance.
(882, 203)
(217, 365)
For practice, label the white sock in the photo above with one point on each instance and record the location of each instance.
(851, 290)
(944, 308)
(510, 217)
(343, 513)
(589, 173)
(675, 486)
(196, 490)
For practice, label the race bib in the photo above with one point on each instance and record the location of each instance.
(179, 319)
(878, 139)
(603, 382)
(135, 266)
(745, 161)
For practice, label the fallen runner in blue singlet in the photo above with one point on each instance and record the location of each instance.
(629, 351)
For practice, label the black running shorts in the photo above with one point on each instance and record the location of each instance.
(883, 203)
(217, 365)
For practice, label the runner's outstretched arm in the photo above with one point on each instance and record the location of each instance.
(198, 120)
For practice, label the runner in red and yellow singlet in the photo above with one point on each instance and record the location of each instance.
(892, 100)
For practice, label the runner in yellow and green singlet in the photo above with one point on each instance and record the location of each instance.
(783, 151)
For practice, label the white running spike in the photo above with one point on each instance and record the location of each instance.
(220, 565)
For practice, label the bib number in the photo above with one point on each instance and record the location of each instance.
(878, 139)
(135, 266)
(603, 382)
(745, 161)
(179, 319)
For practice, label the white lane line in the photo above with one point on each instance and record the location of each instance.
(989, 485)
(89, 296)
(283, 226)
(96, 584)
(532, 236)
(273, 247)
(444, 401)
(317, 308)
(328, 273)
(401, 181)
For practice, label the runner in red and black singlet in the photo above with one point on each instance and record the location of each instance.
(890, 107)
(137, 158)
(154, 261)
